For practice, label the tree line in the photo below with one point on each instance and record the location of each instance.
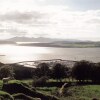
(86, 71)
(81, 71)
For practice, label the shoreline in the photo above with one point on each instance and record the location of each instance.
(2, 55)
(51, 62)
(56, 46)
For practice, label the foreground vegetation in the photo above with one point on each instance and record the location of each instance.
(17, 90)
(80, 92)
(85, 92)
(56, 82)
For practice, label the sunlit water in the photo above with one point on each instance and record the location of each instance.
(26, 53)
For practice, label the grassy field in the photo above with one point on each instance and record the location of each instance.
(19, 90)
(85, 92)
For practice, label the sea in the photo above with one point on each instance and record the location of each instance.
(15, 53)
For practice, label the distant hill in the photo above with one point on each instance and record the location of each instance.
(7, 42)
(64, 44)
(27, 39)
(40, 39)
(51, 42)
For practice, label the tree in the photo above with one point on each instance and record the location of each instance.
(22, 72)
(42, 70)
(95, 77)
(6, 71)
(82, 70)
(59, 71)
(1, 64)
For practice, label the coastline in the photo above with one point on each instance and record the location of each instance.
(55, 45)
(51, 62)
(2, 55)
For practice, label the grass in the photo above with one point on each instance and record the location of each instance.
(28, 81)
(50, 80)
(14, 81)
(16, 87)
(87, 92)
(63, 80)
(5, 96)
(47, 90)
(1, 84)
(22, 96)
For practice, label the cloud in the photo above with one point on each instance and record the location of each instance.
(35, 18)
(26, 17)
(12, 31)
(94, 21)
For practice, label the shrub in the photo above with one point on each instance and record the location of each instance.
(22, 72)
(6, 71)
(40, 81)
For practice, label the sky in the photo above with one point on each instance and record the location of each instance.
(65, 19)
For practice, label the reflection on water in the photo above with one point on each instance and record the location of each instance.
(20, 53)
(26, 53)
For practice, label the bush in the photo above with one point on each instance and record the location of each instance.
(40, 81)
(6, 71)
(22, 72)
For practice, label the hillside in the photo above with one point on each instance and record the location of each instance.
(50, 42)
(17, 90)
(32, 39)
(7, 42)
(65, 44)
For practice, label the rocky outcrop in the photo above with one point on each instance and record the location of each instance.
(14, 88)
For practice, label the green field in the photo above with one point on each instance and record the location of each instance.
(85, 92)
(19, 90)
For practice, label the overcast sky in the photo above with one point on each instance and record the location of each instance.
(69, 19)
